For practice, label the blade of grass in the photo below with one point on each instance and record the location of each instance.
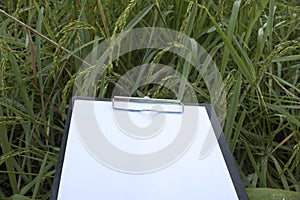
(157, 6)
(284, 141)
(45, 21)
(284, 113)
(100, 7)
(258, 12)
(233, 108)
(287, 58)
(39, 177)
(279, 171)
(230, 29)
(271, 194)
(23, 90)
(138, 17)
(254, 164)
(38, 50)
(265, 37)
(6, 148)
(247, 71)
(237, 132)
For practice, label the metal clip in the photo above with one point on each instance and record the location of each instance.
(147, 104)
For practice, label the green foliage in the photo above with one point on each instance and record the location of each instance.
(255, 45)
(271, 194)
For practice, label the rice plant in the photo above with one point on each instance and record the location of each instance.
(255, 45)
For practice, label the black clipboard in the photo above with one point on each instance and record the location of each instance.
(234, 176)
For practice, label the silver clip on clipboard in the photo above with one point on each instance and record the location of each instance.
(147, 104)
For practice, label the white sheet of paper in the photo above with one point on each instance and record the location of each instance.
(189, 178)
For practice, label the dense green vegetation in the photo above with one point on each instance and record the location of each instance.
(254, 43)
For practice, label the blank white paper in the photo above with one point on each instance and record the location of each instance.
(188, 178)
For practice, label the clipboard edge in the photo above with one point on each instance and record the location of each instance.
(227, 155)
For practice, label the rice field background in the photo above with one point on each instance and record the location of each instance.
(254, 43)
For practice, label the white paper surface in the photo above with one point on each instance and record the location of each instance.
(189, 178)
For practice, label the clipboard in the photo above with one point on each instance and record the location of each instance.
(85, 172)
